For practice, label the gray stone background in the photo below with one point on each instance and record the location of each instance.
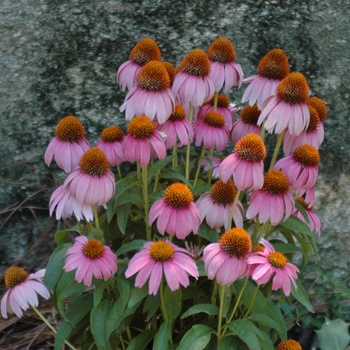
(59, 58)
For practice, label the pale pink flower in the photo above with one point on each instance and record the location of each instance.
(151, 96)
(271, 265)
(177, 128)
(92, 182)
(273, 201)
(68, 145)
(176, 213)
(144, 51)
(312, 219)
(22, 291)
(215, 206)
(143, 141)
(192, 83)
(65, 205)
(225, 71)
(272, 68)
(90, 258)
(247, 124)
(211, 131)
(156, 258)
(111, 143)
(226, 261)
(287, 109)
(245, 164)
(301, 167)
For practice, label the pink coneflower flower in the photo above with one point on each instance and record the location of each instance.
(245, 164)
(211, 131)
(151, 96)
(92, 182)
(144, 51)
(226, 261)
(212, 163)
(225, 72)
(313, 135)
(156, 258)
(22, 291)
(111, 143)
(192, 83)
(273, 201)
(194, 250)
(176, 213)
(66, 205)
(288, 108)
(90, 258)
(273, 67)
(271, 265)
(216, 206)
(301, 167)
(313, 221)
(68, 145)
(247, 124)
(143, 141)
(223, 107)
(177, 128)
(289, 344)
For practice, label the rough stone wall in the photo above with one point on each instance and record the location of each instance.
(60, 57)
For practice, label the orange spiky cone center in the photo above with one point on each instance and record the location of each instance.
(178, 196)
(161, 251)
(153, 77)
(300, 200)
(170, 70)
(293, 89)
(251, 148)
(70, 129)
(140, 127)
(250, 114)
(94, 162)
(289, 344)
(214, 119)
(195, 63)
(320, 107)
(221, 50)
(236, 242)
(178, 113)
(223, 193)
(223, 101)
(274, 65)
(112, 134)
(93, 249)
(144, 51)
(275, 182)
(314, 120)
(306, 155)
(277, 259)
(14, 276)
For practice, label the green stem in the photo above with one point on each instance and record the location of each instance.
(199, 165)
(119, 172)
(145, 202)
(162, 302)
(156, 181)
(50, 325)
(188, 149)
(97, 222)
(175, 159)
(262, 133)
(216, 97)
(128, 333)
(228, 227)
(277, 148)
(252, 302)
(221, 311)
(210, 171)
(238, 300)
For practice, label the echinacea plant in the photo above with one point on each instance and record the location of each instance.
(194, 247)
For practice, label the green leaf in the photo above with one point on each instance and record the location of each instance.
(175, 176)
(286, 248)
(196, 338)
(128, 247)
(123, 216)
(295, 224)
(162, 337)
(208, 233)
(159, 164)
(300, 294)
(96, 233)
(246, 331)
(67, 286)
(209, 309)
(264, 320)
(173, 302)
(151, 305)
(333, 335)
(124, 294)
(141, 341)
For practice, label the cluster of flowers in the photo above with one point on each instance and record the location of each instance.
(168, 108)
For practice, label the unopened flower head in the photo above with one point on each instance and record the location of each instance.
(111, 143)
(22, 291)
(156, 258)
(245, 164)
(90, 258)
(215, 206)
(273, 67)
(144, 51)
(192, 83)
(247, 123)
(273, 201)
(92, 182)
(176, 212)
(68, 145)
(152, 95)
(226, 261)
(289, 344)
(143, 141)
(225, 71)
(313, 221)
